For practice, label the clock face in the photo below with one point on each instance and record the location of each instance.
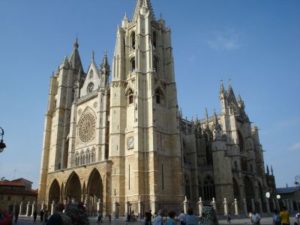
(130, 142)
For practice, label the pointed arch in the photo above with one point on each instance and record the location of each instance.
(73, 187)
(236, 189)
(209, 188)
(241, 141)
(132, 64)
(159, 96)
(94, 190)
(54, 192)
(249, 192)
(132, 39)
(129, 94)
(154, 39)
(155, 63)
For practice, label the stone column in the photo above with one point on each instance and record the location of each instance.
(260, 206)
(214, 204)
(253, 205)
(185, 205)
(236, 207)
(98, 205)
(274, 203)
(32, 208)
(52, 208)
(21, 207)
(225, 207)
(200, 207)
(277, 205)
(27, 208)
(153, 205)
(245, 206)
(268, 205)
(140, 208)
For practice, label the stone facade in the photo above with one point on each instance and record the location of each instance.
(122, 145)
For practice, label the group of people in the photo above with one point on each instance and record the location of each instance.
(278, 218)
(208, 218)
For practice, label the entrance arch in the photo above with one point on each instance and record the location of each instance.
(73, 188)
(94, 192)
(249, 193)
(54, 192)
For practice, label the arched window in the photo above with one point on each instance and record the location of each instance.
(130, 96)
(241, 141)
(133, 40)
(159, 96)
(77, 159)
(82, 158)
(209, 189)
(187, 187)
(154, 39)
(88, 157)
(155, 64)
(93, 155)
(132, 62)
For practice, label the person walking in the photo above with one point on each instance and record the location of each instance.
(285, 216)
(171, 218)
(190, 218)
(16, 214)
(34, 216)
(181, 218)
(42, 215)
(276, 218)
(159, 220)
(255, 218)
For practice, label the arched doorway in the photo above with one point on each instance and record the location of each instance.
(249, 193)
(236, 189)
(94, 193)
(73, 188)
(54, 192)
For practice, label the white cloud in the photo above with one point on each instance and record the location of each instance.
(225, 40)
(295, 147)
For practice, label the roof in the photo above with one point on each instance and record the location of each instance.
(287, 190)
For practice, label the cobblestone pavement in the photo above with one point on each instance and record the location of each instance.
(265, 221)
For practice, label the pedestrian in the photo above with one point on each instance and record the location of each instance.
(171, 218)
(276, 218)
(229, 218)
(255, 218)
(16, 214)
(298, 217)
(99, 220)
(159, 220)
(148, 216)
(34, 216)
(46, 216)
(42, 215)
(181, 218)
(56, 218)
(209, 216)
(285, 216)
(190, 218)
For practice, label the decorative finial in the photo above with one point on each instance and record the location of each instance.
(93, 56)
(76, 45)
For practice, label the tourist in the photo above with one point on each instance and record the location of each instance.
(229, 218)
(276, 218)
(190, 218)
(209, 216)
(148, 217)
(171, 218)
(298, 217)
(159, 220)
(285, 216)
(181, 218)
(34, 216)
(16, 214)
(42, 215)
(255, 218)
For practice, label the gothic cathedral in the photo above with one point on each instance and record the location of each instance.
(119, 144)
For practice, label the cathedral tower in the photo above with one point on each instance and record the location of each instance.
(144, 130)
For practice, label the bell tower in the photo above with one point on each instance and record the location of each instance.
(144, 126)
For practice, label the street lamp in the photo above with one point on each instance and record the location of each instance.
(2, 144)
(268, 195)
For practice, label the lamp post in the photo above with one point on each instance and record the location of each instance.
(2, 144)
(268, 195)
(278, 197)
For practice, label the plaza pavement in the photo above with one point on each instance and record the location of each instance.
(23, 220)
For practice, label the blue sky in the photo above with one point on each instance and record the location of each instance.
(253, 43)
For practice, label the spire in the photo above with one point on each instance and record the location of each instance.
(272, 172)
(143, 4)
(206, 115)
(105, 68)
(268, 172)
(93, 57)
(75, 60)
